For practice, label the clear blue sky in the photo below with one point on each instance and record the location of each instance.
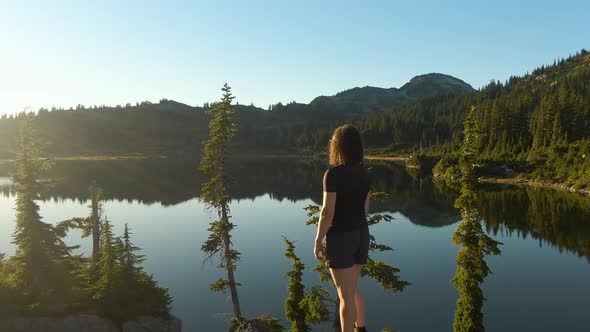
(62, 53)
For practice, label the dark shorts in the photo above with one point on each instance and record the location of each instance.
(343, 250)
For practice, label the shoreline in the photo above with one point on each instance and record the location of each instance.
(522, 182)
(516, 180)
(250, 155)
(392, 158)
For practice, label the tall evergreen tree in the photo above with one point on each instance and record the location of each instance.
(105, 289)
(43, 262)
(294, 311)
(131, 261)
(96, 195)
(124, 291)
(216, 196)
(471, 266)
(90, 226)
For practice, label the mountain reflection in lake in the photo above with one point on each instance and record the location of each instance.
(539, 281)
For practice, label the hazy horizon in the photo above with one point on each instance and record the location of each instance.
(66, 53)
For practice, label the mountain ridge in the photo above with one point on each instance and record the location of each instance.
(371, 98)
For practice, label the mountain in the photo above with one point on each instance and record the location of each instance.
(434, 84)
(171, 127)
(370, 98)
(538, 121)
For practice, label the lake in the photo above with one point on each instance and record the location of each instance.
(540, 282)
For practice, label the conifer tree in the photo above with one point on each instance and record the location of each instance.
(105, 289)
(90, 225)
(124, 291)
(96, 196)
(317, 301)
(42, 260)
(130, 260)
(294, 311)
(471, 266)
(215, 194)
(138, 293)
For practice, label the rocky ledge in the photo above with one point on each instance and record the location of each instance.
(87, 323)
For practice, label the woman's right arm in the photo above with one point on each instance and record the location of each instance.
(367, 204)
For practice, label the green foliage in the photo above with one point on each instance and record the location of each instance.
(42, 262)
(105, 290)
(262, 323)
(568, 164)
(385, 275)
(293, 311)
(302, 308)
(9, 299)
(124, 291)
(422, 163)
(447, 168)
(555, 217)
(43, 278)
(475, 243)
(214, 194)
(221, 130)
(316, 305)
(317, 301)
(173, 128)
(90, 225)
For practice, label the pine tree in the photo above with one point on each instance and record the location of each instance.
(315, 303)
(137, 292)
(90, 225)
(124, 291)
(130, 260)
(293, 309)
(43, 262)
(215, 194)
(471, 266)
(96, 196)
(105, 289)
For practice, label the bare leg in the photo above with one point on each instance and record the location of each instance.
(359, 302)
(344, 281)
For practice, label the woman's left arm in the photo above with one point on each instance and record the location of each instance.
(326, 216)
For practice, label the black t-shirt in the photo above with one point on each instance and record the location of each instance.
(351, 185)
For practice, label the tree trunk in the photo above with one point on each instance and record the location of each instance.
(95, 224)
(230, 266)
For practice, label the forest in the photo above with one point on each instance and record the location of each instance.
(539, 122)
(174, 129)
(47, 277)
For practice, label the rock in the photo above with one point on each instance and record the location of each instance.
(260, 324)
(87, 323)
(152, 324)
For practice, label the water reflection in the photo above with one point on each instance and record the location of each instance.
(472, 268)
(171, 182)
(557, 218)
(44, 279)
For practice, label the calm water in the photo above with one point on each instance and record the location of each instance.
(540, 282)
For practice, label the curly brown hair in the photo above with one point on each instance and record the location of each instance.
(346, 146)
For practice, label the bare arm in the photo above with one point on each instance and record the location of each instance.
(326, 216)
(367, 204)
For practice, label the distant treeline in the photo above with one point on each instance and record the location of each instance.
(173, 128)
(541, 118)
(549, 106)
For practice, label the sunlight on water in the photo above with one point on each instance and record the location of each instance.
(170, 224)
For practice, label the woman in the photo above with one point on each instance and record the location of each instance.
(343, 222)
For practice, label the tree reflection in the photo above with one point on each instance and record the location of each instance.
(45, 279)
(472, 268)
(557, 218)
(216, 196)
